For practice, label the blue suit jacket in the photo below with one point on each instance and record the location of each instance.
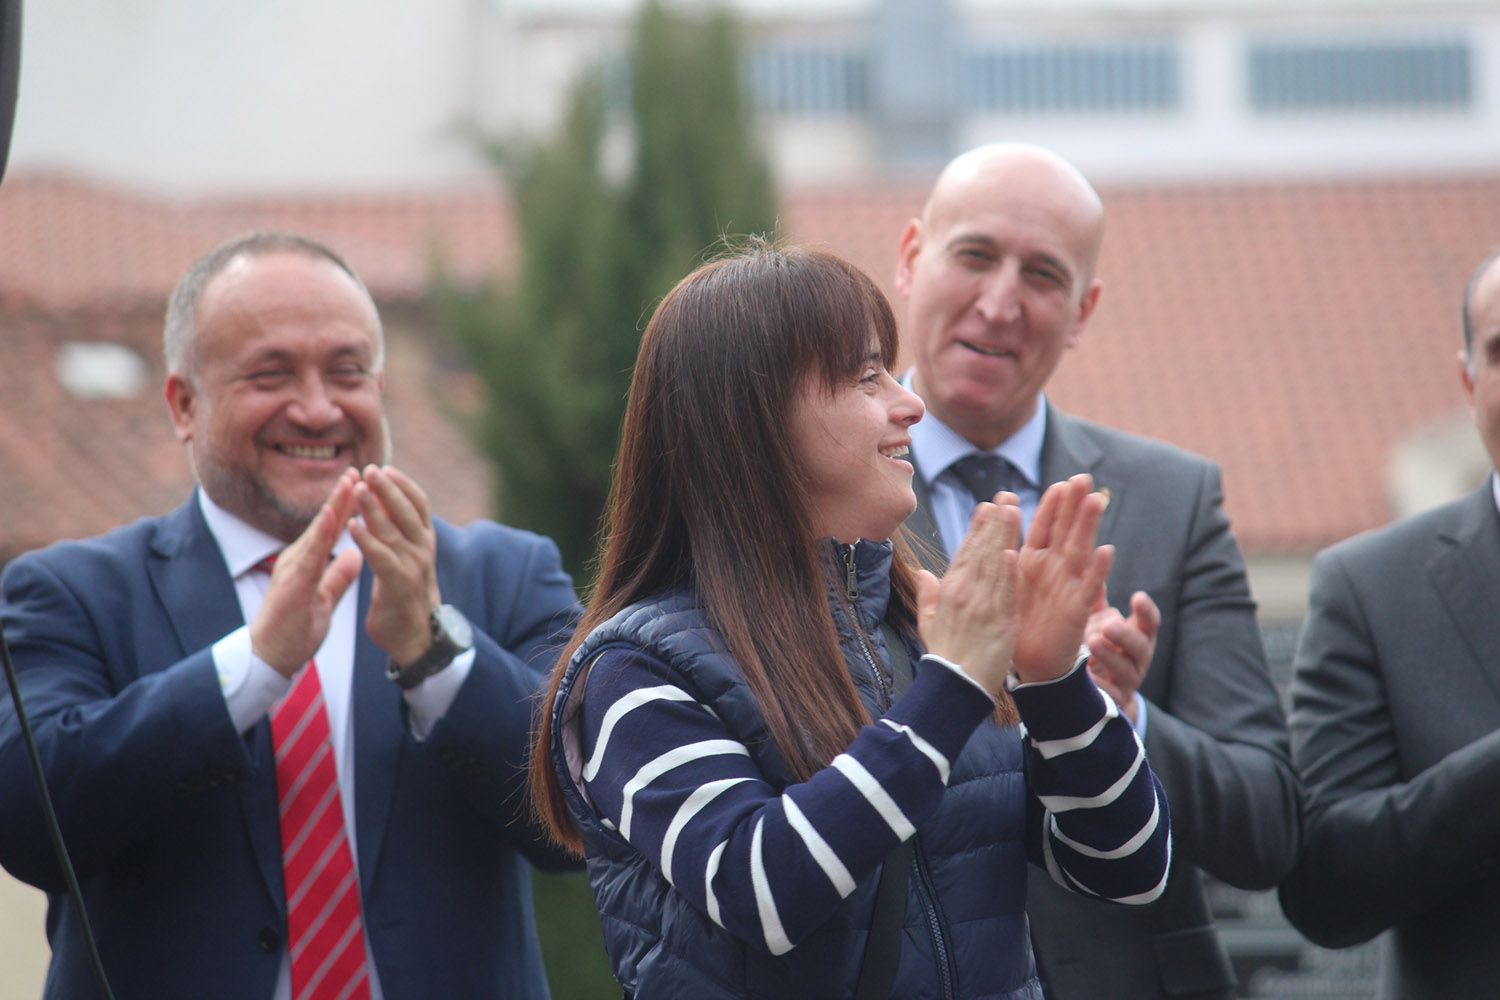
(170, 814)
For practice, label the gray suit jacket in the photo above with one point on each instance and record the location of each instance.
(1216, 734)
(1396, 727)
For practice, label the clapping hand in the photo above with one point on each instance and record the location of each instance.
(1060, 573)
(306, 586)
(395, 533)
(1120, 648)
(968, 617)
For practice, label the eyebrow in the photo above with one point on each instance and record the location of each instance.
(283, 353)
(965, 237)
(266, 355)
(989, 243)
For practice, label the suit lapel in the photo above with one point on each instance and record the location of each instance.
(922, 530)
(1463, 570)
(1069, 450)
(198, 595)
(378, 728)
(192, 581)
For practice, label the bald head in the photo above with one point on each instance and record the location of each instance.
(972, 180)
(998, 276)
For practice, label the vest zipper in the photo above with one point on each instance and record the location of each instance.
(926, 892)
(927, 895)
(851, 579)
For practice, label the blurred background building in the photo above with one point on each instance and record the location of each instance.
(193, 97)
(1296, 192)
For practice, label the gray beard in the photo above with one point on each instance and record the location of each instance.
(252, 501)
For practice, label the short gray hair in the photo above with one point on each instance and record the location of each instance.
(181, 327)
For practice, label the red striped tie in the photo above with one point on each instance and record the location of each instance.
(325, 932)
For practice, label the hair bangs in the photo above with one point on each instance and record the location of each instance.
(832, 318)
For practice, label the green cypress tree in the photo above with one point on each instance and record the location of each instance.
(697, 175)
(554, 346)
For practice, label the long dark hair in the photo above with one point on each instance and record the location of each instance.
(708, 493)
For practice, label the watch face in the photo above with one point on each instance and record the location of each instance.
(451, 622)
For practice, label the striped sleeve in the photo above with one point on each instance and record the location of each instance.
(1098, 817)
(768, 866)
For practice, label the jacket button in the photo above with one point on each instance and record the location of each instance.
(268, 939)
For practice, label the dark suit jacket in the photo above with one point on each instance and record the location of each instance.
(170, 814)
(1215, 735)
(1396, 729)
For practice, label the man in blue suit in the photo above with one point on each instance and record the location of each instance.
(157, 664)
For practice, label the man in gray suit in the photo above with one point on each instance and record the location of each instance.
(1396, 724)
(998, 274)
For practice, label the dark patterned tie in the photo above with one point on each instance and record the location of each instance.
(985, 474)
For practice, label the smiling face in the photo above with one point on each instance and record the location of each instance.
(850, 441)
(283, 389)
(998, 277)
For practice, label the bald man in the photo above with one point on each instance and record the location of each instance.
(998, 273)
(1396, 723)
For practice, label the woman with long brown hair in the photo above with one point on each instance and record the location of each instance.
(796, 768)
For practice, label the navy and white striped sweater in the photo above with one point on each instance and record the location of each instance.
(771, 867)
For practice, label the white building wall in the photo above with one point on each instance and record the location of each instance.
(308, 95)
(192, 95)
(530, 59)
(1216, 133)
(823, 150)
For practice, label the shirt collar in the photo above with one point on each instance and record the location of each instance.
(244, 545)
(935, 445)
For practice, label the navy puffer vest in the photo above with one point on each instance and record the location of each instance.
(965, 929)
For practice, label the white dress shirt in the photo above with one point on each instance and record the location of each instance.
(251, 686)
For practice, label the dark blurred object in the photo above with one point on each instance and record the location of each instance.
(10, 69)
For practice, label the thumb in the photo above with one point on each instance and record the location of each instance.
(1145, 613)
(928, 589)
(340, 573)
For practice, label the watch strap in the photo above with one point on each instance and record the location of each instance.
(443, 651)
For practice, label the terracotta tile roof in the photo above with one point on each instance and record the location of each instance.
(78, 467)
(71, 244)
(1295, 333)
